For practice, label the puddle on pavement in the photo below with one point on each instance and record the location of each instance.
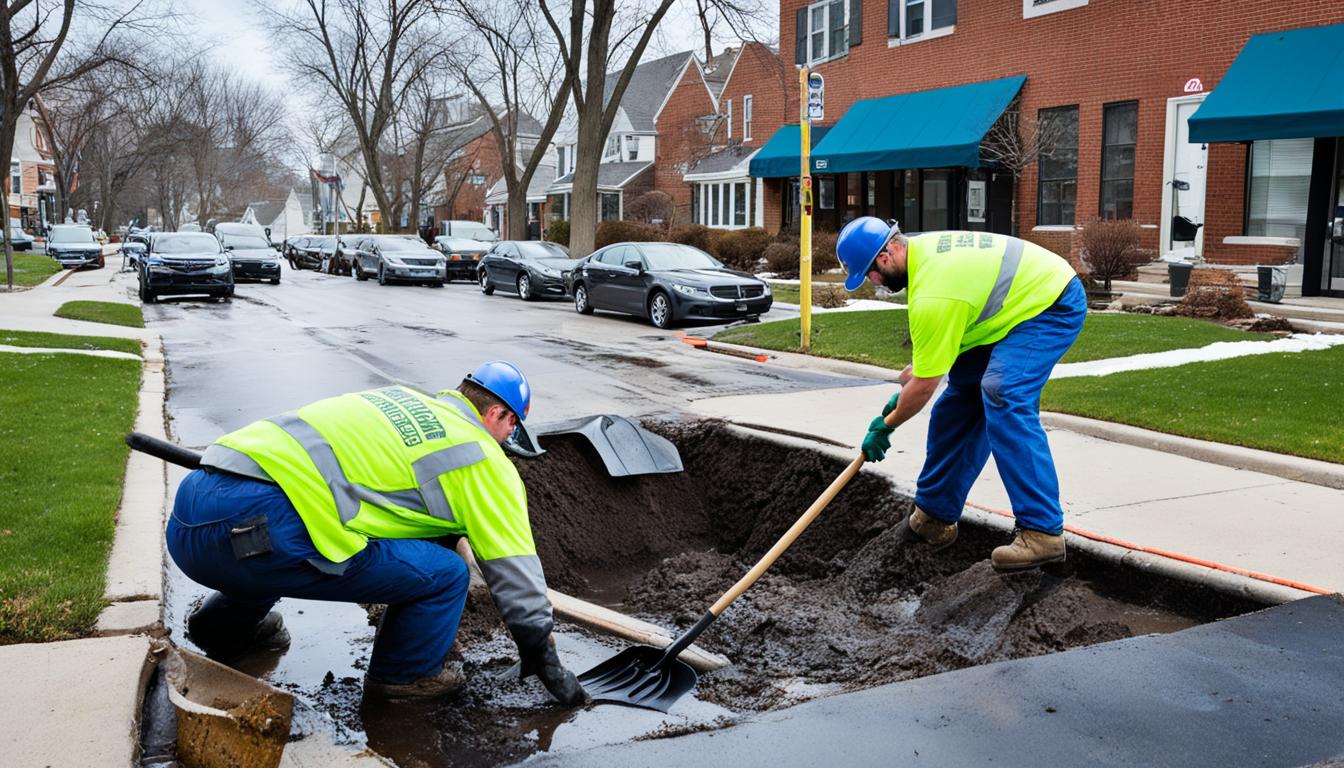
(848, 607)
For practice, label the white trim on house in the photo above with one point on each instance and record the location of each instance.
(708, 212)
(1291, 242)
(735, 173)
(1168, 172)
(648, 164)
(690, 57)
(826, 36)
(747, 103)
(1033, 8)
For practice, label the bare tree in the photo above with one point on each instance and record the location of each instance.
(1015, 142)
(42, 47)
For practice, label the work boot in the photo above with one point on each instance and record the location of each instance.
(1030, 549)
(919, 526)
(449, 680)
(269, 635)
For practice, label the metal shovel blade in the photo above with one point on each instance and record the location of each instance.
(635, 677)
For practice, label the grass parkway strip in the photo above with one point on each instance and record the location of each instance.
(110, 312)
(62, 422)
(32, 268)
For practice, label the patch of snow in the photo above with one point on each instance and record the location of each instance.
(1221, 350)
(59, 351)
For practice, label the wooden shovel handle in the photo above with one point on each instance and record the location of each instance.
(788, 538)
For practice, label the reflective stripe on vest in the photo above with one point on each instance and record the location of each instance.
(519, 589)
(1012, 256)
(235, 461)
(428, 498)
(465, 410)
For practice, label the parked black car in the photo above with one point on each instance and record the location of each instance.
(18, 239)
(184, 263)
(667, 283)
(305, 251)
(337, 254)
(395, 257)
(463, 255)
(73, 245)
(250, 249)
(530, 268)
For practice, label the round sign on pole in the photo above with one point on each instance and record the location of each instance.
(816, 96)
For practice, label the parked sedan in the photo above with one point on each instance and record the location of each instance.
(251, 251)
(394, 257)
(463, 254)
(667, 283)
(527, 267)
(336, 253)
(20, 240)
(305, 251)
(183, 263)
(73, 245)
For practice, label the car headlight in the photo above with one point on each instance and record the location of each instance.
(767, 289)
(549, 272)
(690, 290)
(393, 260)
(221, 262)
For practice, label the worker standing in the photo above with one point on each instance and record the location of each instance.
(340, 500)
(993, 314)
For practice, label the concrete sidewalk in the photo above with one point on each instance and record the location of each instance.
(1235, 517)
(34, 309)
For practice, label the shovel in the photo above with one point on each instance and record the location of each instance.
(644, 676)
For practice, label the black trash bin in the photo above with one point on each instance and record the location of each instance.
(1273, 281)
(1178, 274)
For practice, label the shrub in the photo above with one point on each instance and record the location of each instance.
(742, 248)
(654, 207)
(823, 251)
(558, 232)
(782, 259)
(609, 232)
(1214, 294)
(829, 295)
(697, 235)
(1110, 249)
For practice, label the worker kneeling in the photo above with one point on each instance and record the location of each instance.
(340, 500)
(993, 314)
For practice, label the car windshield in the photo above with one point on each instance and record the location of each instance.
(673, 256)
(71, 235)
(536, 250)
(245, 241)
(399, 244)
(461, 244)
(185, 243)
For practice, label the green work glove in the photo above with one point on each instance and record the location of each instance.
(878, 440)
(891, 404)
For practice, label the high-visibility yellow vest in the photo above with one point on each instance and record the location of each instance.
(395, 463)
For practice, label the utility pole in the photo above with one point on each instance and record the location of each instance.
(805, 219)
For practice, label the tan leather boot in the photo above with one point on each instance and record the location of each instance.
(919, 526)
(1030, 549)
(449, 680)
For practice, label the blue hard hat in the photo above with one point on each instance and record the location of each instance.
(505, 381)
(858, 245)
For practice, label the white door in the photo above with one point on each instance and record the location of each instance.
(1183, 183)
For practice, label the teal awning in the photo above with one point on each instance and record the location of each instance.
(927, 129)
(780, 155)
(1283, 85)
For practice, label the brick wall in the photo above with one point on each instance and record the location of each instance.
(681, 138)
(481, 156)
(1108, 51)
(767, 78)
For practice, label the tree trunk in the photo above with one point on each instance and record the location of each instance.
(7, 131)
(583, 209)
(518, 215)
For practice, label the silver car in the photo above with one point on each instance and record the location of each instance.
(393, 258)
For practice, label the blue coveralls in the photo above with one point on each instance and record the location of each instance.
(423, 583)
(992, 404)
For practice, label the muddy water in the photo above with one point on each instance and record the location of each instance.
(847, 607)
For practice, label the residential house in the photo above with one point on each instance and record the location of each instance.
(476, 168)
(32, 174)
(497, 203)
(283, 218)
(915, 88)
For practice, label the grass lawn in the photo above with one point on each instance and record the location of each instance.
(62, 422)
(32, 268)
(789, 293)
(66, 341)
(1286, 403)
(110, 312)
(881, 337)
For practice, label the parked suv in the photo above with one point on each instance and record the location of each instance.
(73, 245)
(182, 263)
(251, 251)
(305, 251)
(394, 257)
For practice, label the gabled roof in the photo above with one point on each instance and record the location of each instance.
(610, 176)
(498, 194)
(718, 68)
(649, 87)
(726, 159)
(267, 211)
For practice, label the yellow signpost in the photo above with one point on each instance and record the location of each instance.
(805, 217)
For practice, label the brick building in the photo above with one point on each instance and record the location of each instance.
(1114, 84)
(476, 169)
(32, 175)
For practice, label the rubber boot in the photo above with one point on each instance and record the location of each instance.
(919, 526)
(1030, 549)
(449, 680)
(223, 634)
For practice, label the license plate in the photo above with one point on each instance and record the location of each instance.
(740, 307)
(424, 273)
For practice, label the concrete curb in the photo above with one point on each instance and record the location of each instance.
(1223, 582)
(1235, 456)
(135, 564)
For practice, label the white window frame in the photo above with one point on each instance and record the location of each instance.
(746, 117)
(1033, 8)
(560, 161)
(717, 198)
(729, 113)
(15, 177)
(632, 143)
(927, 34)
(612, 150)
(828, 54)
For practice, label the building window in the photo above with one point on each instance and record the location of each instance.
(610, 204)
(559, 162)
(15, 178)
(1033, 8)
(826, 193)
(1057, 188)
(1119, 134)
(746, 118)
(631, 148)
(1280, 174)
(913, 19)
(935, 211)
(740, 204)
(827, 32)
(724, 205)
(613, 149)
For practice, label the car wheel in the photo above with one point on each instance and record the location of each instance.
(486, 287)
(359, 274)
(660, 310)
(382, 275)
(581, 304)
(524, 287)
(275, 281)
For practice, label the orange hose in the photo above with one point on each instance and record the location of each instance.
(1174, 555)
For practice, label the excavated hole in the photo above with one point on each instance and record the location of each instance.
(847, 607)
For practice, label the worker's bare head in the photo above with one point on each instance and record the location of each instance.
(889, 268)
(498, 418)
